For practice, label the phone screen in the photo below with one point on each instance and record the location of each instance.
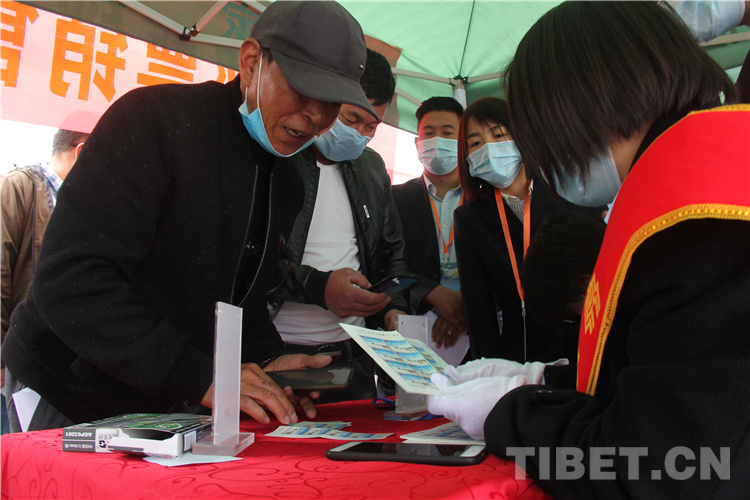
(393, 284)
(431, 450)
(423, 453)
(313, 378)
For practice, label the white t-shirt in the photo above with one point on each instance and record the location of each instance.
(331, 245)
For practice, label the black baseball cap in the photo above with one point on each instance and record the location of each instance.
(319, 48)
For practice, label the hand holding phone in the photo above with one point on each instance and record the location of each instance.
(418, 453)
(393, 283)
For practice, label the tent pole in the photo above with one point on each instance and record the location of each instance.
(459, 90)
(209, 15)
(154, 16)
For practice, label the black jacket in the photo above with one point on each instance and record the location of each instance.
(675, 366)
(380, 240)
(674, 372)
(413, 204)
(488, 284)
(146, 236)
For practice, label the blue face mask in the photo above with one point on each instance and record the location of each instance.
(708, 19)
(438, 155)
(254, 122)
(601, 187)
(341, 143)
(496, 162)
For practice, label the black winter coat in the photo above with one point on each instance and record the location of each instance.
(147, 235)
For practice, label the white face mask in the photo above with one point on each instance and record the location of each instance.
(438, 155)
(601, 187)
(496, 162)
(708, 19)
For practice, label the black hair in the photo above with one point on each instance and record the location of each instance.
(587, 73)
(65, 140)
(377, 80)
(485, 111)
(558, 265)
(439, 103)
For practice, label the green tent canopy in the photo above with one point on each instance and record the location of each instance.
(457, 48)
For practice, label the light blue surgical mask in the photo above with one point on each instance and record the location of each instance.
(708, 19)
(341, 142)
(438, 155)
(254, 122)
(496, 162)
(602, 184)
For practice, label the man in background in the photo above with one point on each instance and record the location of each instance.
(28, 196)
(426, 206)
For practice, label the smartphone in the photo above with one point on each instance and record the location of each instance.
(394, 283)
(416, 453)
(314, 379)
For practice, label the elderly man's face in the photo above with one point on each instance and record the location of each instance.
(290, 118)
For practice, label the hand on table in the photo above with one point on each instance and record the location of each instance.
(469, 403)
(300, 362)
(258, 391)
(344, 299)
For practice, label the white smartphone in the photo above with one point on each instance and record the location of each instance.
(418, 453)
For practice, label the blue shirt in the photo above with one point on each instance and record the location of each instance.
(53, 183)
(445, 208)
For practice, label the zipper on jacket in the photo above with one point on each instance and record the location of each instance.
(265, 240)
(354, 189)
(247, 233)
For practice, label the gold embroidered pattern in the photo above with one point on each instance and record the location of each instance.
(592, 305)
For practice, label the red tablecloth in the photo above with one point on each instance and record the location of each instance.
(34, 466)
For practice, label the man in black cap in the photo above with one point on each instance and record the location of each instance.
(182, 197)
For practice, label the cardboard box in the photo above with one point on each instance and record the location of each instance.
(156, 434)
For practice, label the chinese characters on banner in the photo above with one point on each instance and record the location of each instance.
(62, 73)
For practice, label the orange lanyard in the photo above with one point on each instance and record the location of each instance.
(526, 235)
(446, 246)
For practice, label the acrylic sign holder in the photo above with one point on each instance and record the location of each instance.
(226, 438)
(410, 406)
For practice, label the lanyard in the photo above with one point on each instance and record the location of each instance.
(509, 244)
(446, 246)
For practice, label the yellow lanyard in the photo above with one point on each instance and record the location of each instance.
(446, 246)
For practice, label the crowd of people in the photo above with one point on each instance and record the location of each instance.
(584, 334)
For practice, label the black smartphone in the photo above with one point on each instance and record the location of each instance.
(416, 453)
(393, 283)
(314, 379)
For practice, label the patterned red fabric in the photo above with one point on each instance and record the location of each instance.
(34, 466)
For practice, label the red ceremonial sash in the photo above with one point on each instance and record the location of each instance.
(697, 169)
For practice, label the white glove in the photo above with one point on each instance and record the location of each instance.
(469, 403)
(500, 367)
